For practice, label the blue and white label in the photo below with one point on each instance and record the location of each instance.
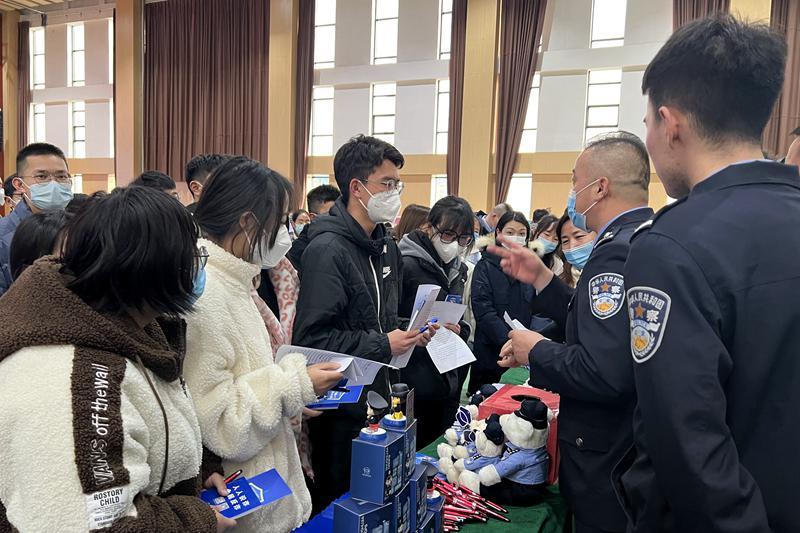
(649, 312)
(606, 294)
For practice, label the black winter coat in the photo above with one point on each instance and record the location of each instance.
(436, 395)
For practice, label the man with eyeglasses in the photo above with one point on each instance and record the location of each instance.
(349, 292)
(44, 182)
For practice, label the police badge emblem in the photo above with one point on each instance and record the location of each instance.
(649, 312)
(606, 294)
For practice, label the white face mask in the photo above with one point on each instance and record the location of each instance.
(283, 242)
(447, 252)
(382, 207)
(519, 239)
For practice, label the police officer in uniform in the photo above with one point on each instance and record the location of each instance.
(592, 372)
(713, 295)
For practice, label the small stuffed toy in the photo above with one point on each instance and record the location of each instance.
(461, 433)
(489, 446)
(520, 476)
(480, 396)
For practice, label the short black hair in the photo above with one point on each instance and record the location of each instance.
(241, 185)
(320, 195)
(723, 73)
(35, 149)
(200, 167)
(136, 248)
(359, 157)
(452, 213)
(632, 160)
(514, 216)
(154, 180)
(8, 187)
(539, 214)
(35, 237)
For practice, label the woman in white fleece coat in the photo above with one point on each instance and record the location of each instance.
(244, 400)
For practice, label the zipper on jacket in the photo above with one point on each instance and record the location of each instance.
(378, 292)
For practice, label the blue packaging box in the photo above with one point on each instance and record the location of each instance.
(419, 499)
(437, 508)
(376, 471)
(356, 516)
(409, 433)
(429, 524)
(402, 510)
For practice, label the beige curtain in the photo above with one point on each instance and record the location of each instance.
(24, 72)
(206, 68)
(785, 18)
(458, 41)
(522, 22)
(684, 11)
(305, 87)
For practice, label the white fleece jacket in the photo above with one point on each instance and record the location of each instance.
(243, 399)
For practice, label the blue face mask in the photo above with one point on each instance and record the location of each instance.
(578, 219)
(298, 228)
(486, 225)
(578, 256)
(549, 246)
(199, 284)
(51, 195)
(475, 236)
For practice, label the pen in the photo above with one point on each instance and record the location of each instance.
(424, 328)
(233, 476)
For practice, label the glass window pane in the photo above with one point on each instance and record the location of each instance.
(79, 106)
(386, 39)
(321, 93)
(447, 5)
(444, 42)
(383, 105)
(38, 70)
(603, 116)
(77, 37)
(441, 143)
(383, 124)
(39, 127)
(79, 119)
(532, 114)
(608, 44)
(79, 149)
(438, 188)
(443, 112)
(537, 80)
(519, 193)
(604, 94)
(528, 143)
(325, 12)
(322, 118)
(385, 9)
(444, 86)
(605, 76)
(608, 19)
(322, 145)
(79, 133)
(324, 44)
(384, 89)
(389, 138)
(38, 41)
(78, 66)
(593, 132)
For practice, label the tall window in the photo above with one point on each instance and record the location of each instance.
(37, 133)
(602, 111)
(608, 23)
(519, 193)
(315, 180)
(442, 115)
(528, 143)
(37, 58)
(78, 112)
(77, 56)
(321, 122)
(385, 15)
(383, 110)
(445, 21)
(438, 187)
(324, 33)
(77, 183)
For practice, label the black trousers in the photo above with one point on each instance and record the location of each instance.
(483, 376)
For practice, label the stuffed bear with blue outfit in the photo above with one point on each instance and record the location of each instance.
(519, 477)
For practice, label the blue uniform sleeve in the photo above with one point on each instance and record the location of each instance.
(483, 305)
(680, 368)
(597, 368)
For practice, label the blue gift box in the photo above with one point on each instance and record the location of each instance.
(402, 510)
(376, 471)
(436, 506)
(419, 501)
(356, 516)
(429, 524)
(409, 432)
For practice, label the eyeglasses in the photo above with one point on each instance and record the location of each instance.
(448, 236)
(45, 177)
(389, 185)
(202, 257)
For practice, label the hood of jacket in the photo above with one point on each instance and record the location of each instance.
(340, 222)
(417, 244)
(40, 310)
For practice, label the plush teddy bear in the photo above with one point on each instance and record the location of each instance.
(482, 394)
(520, 475)
(461, 433)
(489, 446)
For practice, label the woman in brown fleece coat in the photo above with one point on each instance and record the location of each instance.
(98, 431)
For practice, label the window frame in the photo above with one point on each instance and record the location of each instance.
(589, 106)
(72, 53)
(318, 65)
(386, 136)
(315, 138)
(607, 42)
(383, 60)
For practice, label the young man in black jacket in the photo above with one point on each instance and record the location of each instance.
(349, 292)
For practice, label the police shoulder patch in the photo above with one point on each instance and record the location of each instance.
(649, 311)
(606, 294)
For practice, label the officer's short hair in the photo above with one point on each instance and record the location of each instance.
(723, 73)
(624, 156)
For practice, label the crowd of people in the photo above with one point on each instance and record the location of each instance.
(138, 340)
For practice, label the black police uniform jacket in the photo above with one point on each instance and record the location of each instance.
(714, 300)
(349, 293)
(593, 374)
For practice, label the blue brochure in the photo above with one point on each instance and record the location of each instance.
(334, 398)
(246, 495)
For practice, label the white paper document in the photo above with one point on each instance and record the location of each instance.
(357, 371)
(449, 351)
(447, 313)
(423, 302)
(513, 323)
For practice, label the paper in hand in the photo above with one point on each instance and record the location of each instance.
(449, 351)
(420, 315)
(357, 371)
(513, 323)
(247, 495)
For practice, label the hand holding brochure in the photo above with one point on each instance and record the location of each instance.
(420, 315)
(513, 323)
(357, 371)
(449, 351)
(246, 495)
